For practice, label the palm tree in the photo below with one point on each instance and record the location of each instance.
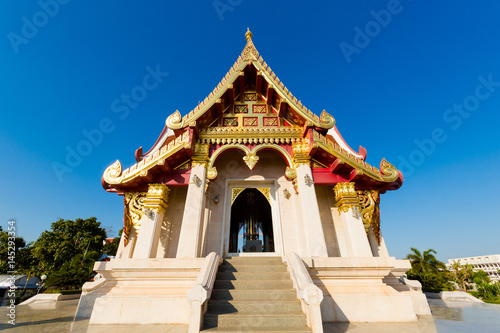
(425, 263)
(426, 269)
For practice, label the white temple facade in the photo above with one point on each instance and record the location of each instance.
(251, 192)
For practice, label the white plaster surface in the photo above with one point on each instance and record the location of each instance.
(144, 310)
(367, 308)
(192, 219)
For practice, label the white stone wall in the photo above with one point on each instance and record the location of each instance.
(328, 211)
(171, 226)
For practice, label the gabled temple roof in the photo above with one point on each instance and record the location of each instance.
(228, 116)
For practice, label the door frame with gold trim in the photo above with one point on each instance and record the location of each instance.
(275, 215)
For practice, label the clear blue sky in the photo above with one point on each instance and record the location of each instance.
(392, 84)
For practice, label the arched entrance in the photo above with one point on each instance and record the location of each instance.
(251, 227)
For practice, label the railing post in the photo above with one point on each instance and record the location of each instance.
(309, 294)
(202, 290)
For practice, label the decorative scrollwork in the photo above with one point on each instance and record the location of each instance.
(201, 149)
(174, 121)
(235, 192)
(370, 213)
(326, 120)
(250, 160)
(290, 173)
(212, 173)
(133, 204)
(266, 191)
(389, 171)
(112, 175)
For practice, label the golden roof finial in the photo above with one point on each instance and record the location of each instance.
(248, 35)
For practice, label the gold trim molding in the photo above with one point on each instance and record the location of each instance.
(346, 196)
(251, 135)
(236, 191)
(157, 198)
(250, 157)
(114, 175)
(387, 173)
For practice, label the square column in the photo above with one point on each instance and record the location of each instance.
(155, 204)
(351, 234)
(311, 220)
(192, 220)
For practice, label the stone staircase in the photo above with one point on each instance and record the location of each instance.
(254, 294)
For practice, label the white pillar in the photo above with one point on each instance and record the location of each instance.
(147, 240)
(379, 249)
(189, 238)
(353, 241)
(126, 248)
(155, 204)
(311, 219)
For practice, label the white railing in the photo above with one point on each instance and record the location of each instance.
(309, 294)
(202, 290)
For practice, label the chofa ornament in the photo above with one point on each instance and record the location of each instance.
(174, 121)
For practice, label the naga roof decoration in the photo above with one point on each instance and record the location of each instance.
(251, 109)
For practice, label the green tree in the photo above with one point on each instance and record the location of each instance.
(111, 248)
(6, 253)
(427, 269)
(66, 240)
(74, 273)
(462, 275)
(485, 288)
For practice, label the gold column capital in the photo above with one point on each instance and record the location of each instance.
(157, 197)
(301, 153)
(200, 156)
(346, 196)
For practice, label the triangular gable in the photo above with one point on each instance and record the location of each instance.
(250, 79)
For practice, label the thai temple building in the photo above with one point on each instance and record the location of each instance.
(251, 211)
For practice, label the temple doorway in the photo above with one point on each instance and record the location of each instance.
(251, 228)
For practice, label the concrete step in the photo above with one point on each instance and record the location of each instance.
(254, 295)
(253, 276)
(236, 320)
(254, 307)
(255, 260)
(253, 284)
(228, 267)
(299, 329)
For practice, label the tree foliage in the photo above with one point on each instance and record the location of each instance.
(462, 275)
(74, 273)
(66, 240)
(427, 269)
(486, 289)
(6, 252)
